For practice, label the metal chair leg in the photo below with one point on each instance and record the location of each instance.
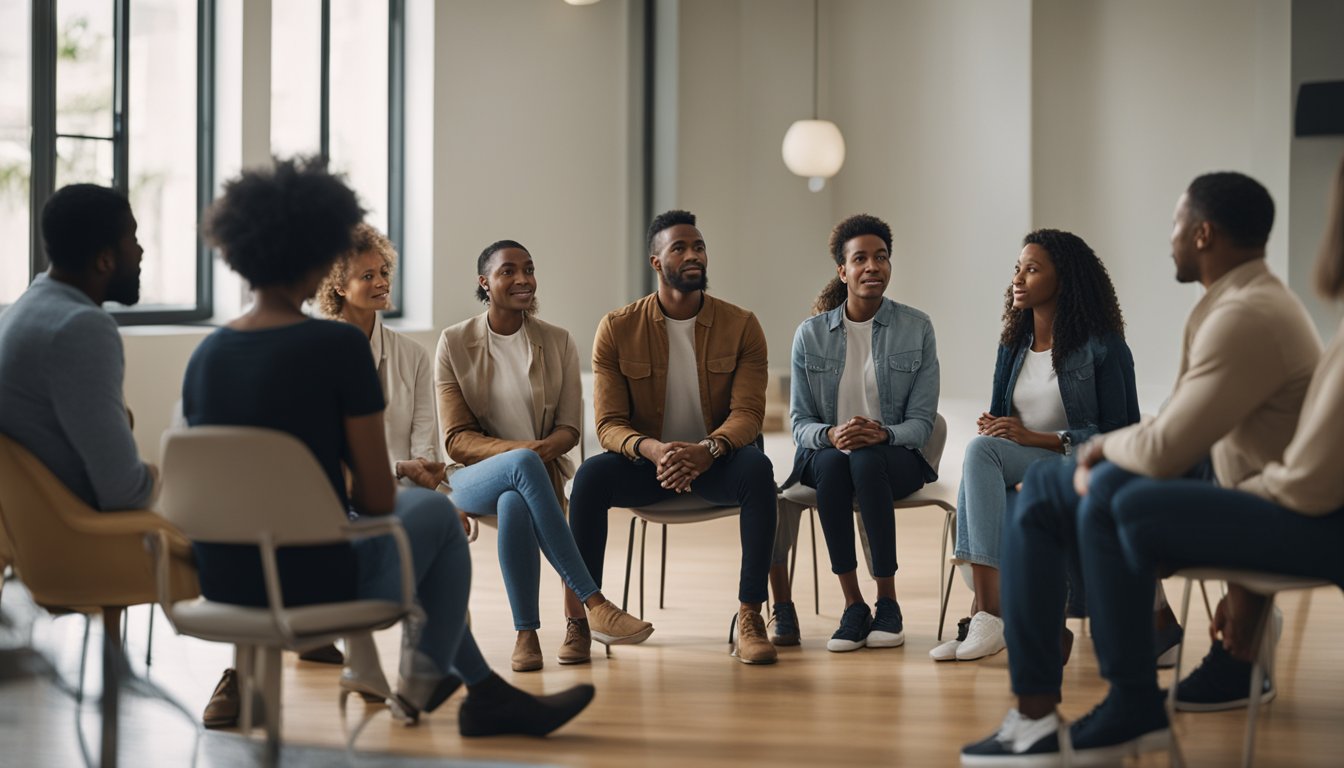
(1180, 648)
(1205, 592)
(816, 580)
(662, 577)
(1265, 644)
(149, 641)
(629, 560)
(947, 598)
(643, 535)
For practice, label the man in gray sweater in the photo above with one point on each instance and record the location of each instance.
(61, 359)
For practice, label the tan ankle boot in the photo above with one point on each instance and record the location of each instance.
(752, 646)
(612, 626)
(578, 644)
(527, 652)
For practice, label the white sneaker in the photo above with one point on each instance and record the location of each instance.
(984, 638)
(945, 652)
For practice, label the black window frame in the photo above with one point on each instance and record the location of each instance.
(42, 90)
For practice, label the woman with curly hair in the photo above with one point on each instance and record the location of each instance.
(274, 367)
(1063, 374)
(863, 399)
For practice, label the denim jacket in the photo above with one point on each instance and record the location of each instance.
(1097, 386)
(905, 358)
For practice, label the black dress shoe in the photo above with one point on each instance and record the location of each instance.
(327, 654)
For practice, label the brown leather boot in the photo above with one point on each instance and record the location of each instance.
(612, 626)
(222, 711)
(578, 645)
(752, 645)
(527, 652)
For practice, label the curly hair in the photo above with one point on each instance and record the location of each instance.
(278, 225)
(1236, 204)
(79, 221)
(667, 220)
(835, 292)
(1085, 305)
(365, 239)
(1329, 273)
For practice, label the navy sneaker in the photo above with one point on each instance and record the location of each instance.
(1018, 742)
(1219, 682)
(785, 621)
(1121, 727)
(853, 632)
(1166, 644)
(888, 629)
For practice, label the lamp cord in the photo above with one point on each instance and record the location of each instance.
(816, 46)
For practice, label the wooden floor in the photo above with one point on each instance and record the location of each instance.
(680, 699)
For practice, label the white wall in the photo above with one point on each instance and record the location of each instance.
(1130, 101)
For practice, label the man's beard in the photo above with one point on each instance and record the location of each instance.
(687, 284)
(124, 289)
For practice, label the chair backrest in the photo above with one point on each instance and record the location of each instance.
(933, 449)
(236, 484)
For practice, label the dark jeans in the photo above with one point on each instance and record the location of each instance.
(872, 477)
(744, 478)
(1169, 524)
(1039, 540)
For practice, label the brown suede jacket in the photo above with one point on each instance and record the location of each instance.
(630, 373)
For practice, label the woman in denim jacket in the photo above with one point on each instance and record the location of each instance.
(1063, 374)
(863, 401)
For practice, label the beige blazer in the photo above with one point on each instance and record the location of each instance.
(409, 422)
(462, 375)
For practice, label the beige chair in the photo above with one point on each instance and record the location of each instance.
(688, 508)
(1268, 585)
(796, 499)
(244, 485)
(73, 558)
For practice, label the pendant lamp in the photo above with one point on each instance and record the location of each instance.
(814, 149)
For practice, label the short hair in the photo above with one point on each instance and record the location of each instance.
(277, 225)
(484, 259)
(858, 225)
(667, 220)
(1330, 262)
(365, 238)
(1237, 205)
(80, 220)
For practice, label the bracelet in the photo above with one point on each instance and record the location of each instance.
(638, 455)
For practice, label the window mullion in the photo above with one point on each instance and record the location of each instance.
(121, 81)
(42, 95)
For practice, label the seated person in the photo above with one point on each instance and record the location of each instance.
(274, 367)
(1248, 354)
(679, 393)
(1063, 374)
(355, 291)
(863, 399)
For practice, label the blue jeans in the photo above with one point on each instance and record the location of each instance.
(515, 487)
(442, 568)
(992, 466)
(1040, 542)
(1171, 524)
(872, 478)
(744, 477)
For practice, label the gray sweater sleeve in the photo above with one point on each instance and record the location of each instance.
(88, 369)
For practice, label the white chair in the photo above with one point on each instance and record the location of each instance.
(244, 485)
(799, 498)
(1268, 585)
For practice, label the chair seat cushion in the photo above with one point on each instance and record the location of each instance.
(686, 508)
(1256, 581)
(229, 623)
(936, 494)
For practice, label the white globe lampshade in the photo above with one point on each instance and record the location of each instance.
(580, 2)
(814, 149)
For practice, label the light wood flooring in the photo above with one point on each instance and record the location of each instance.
(680, 699)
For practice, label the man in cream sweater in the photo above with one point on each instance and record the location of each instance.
(1248, 352)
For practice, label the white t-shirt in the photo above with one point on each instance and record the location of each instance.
(683, 418)
(510, 414)
(1036, 397)
(857, 395)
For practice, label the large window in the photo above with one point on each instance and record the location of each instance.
(359, 45)
(113, 100)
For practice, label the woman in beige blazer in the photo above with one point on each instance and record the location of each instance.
(510, 401)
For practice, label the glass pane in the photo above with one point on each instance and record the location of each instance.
(15, 167)
(296, 77)
(80, 161)
(162, 178)
(359, 100)
(84, 68)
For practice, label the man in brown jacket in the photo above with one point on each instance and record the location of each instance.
(679, 394)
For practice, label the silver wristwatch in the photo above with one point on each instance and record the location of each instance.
(1065, 441)
(713, 446)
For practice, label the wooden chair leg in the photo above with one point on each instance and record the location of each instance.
(1180, 648)
(112, 664)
